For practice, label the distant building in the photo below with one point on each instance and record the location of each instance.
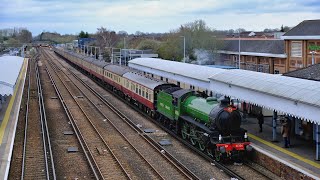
(253, 34)
(272, 55)
(85, 41)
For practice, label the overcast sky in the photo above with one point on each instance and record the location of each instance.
(72, 16)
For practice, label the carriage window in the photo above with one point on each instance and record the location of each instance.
(161, 78)
(137, 89)
(147, 94)
(166, 79)
(178, 83)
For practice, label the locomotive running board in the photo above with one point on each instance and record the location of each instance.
(199, 125)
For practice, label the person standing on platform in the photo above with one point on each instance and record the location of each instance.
(244, 109)
(285, 132)
(260, 120)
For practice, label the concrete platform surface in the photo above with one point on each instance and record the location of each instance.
(300, 156)
(9, 123)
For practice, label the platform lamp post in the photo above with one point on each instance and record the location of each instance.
(239, 51)
(317, 142)
(274, 126)
(184, 48)
(313, 53)
(124, 42)
(124, 49)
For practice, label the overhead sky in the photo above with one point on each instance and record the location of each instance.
(72, 16)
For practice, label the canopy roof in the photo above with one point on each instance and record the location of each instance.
(9, 71)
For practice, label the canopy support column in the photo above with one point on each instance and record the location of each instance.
(274, 126)
(317, 142)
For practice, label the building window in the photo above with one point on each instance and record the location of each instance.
(296, 49)
(276, 72)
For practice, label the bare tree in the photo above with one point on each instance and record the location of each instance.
(24, 36)
(106, 38)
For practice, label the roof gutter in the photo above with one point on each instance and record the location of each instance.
(255, 54)
(300, 37)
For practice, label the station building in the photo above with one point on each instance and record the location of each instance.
(293, 51)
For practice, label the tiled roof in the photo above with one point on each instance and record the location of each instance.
(257, 46)
(305, 28)
(311, 73)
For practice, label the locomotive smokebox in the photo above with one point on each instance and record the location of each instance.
(225, 119)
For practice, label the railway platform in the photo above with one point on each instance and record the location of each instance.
(8, 121)
(299, 157)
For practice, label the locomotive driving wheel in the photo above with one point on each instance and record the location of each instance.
(193, 136)
(202, 145)
(184, 130)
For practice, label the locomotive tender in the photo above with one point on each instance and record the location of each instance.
(211, 125)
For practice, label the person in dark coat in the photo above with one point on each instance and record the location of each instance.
(260, 120)
(285, 132)
(244, 104)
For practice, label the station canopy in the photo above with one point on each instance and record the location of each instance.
(191, 71)
(9, 71)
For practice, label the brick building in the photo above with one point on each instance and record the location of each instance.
(293, 51)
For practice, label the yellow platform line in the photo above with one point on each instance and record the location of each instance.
(294, 155)
(10, 105)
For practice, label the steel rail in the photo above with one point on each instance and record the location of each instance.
(205, 156)
(221, 166)
(45, 138)
(97, 131)
(45, 131)
(176, 163)
(79, 136)
(26, 125)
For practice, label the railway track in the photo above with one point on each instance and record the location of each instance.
(144, 143)
(90, 141)
(37, 159)
(228, 169)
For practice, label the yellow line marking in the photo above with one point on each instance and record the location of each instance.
(312, 163)
(10, 105)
